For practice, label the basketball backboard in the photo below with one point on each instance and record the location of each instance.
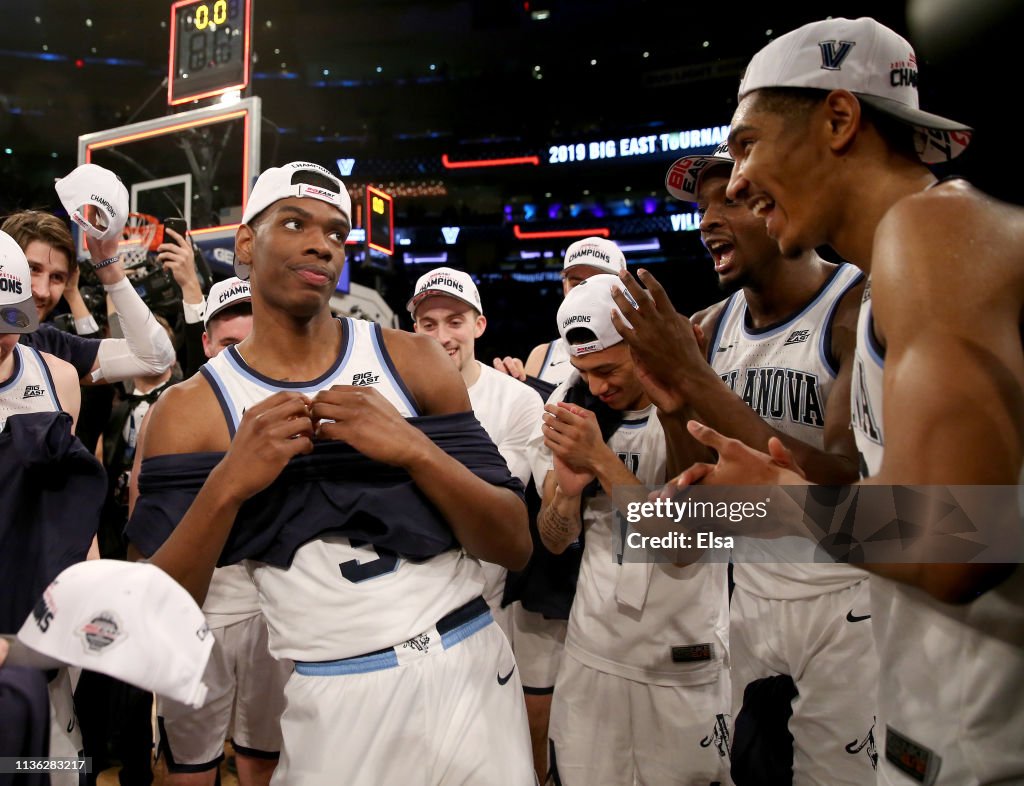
(198, 164)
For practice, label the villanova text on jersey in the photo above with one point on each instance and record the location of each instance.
(779, 393)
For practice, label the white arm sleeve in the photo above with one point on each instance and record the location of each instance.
(144, 351)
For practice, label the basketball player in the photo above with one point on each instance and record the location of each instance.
(539, 639)
(643, 685)
(144, 351)
(789, 614)
(583, 259)
(831, 147)
(446, 306)
(246, 684)
(34, 381)
(382, 644)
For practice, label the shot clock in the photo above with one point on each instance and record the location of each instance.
(380, 221)
(209, 52)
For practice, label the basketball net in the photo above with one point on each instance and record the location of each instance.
(138, 238)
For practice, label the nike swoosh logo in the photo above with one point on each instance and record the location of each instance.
(507, 677)
(851, 618)
(557, 363)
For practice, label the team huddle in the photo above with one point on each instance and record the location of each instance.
(349, 506)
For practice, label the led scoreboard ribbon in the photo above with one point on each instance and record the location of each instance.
(209, 52)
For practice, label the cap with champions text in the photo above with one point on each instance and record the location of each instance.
(447, 282)
(682, 180)
(225, 294)
(868, 59)
(129, 620)
(92, 185)
(589, 305)
(17, 308)
(285, 181)
(596, 252)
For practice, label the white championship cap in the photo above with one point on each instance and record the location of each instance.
(129, 620)
(90, 184)
(449, 283)
(869, 60)
(225, 294)
(17, 308)
(282, 182)
(683, 178)
(590, 305)
(595, 252)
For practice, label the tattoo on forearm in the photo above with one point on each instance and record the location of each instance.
(556, 527)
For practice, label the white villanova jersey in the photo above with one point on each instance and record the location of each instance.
(680, 636)
(785, 373)
(951, 676)
(338, 600)
(30, 387)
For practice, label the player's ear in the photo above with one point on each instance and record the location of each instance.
(480, 326)
(843, 114)
(415, 325)
(244, 238)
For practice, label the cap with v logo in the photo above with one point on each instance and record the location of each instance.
(868, 59)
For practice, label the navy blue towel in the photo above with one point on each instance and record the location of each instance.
(50, 502)
(334, 490)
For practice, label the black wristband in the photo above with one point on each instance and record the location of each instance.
(105, 262)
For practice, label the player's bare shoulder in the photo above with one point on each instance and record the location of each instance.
(186, 419)
(707, 318)
(844, 321)
(948, 241)
(422, 363)
(64, 375)
(65, 380)
(535, 360)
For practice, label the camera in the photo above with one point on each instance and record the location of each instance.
(155, 285)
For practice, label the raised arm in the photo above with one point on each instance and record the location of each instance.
(145, 350)
(179, 258)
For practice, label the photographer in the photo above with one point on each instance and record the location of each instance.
(177, 257)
